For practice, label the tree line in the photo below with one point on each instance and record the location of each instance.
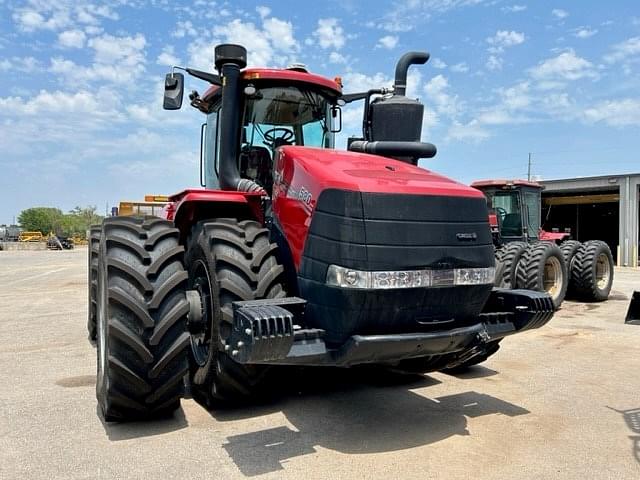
(49, 219)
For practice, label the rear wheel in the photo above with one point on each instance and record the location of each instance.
(228, 260)
(543, 269)
(510, 256)
(92, 276)
(141, 311)
(569, 249)
(592, 271)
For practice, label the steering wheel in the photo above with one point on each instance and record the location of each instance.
(502, 212)
(270, 136)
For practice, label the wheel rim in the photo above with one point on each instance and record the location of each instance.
(552, 279)
(603, 271)
(201, 338)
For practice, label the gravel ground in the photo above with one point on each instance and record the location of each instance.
(559, 402)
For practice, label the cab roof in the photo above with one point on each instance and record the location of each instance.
(286, 75)
(502, 183)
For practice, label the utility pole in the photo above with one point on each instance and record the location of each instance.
(529, 168)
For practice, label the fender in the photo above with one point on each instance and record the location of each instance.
(192, 205)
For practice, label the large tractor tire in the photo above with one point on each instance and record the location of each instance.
(510, 256)
(92, 277)
(569, 249)
(543, 269)
(592, 272)
(141, 312)
(228, 260)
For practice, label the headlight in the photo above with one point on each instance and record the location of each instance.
(350, 278)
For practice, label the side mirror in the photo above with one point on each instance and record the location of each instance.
(336, 119)
(173, 91)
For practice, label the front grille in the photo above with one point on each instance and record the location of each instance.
(373, 231)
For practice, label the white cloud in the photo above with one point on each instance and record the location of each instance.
(624, 51)
(472, 131)
(19, 64)
(115, 59)
(438, 63)
(59, 104)
(461, 67)
(566, 66)
(493, 63)
(514, 8)
(388, 41)
(72, 39)
(504, 39)
(336, 57)
(57, 15)
(585, 32)
(124, 51)
(516, 97)
(559, 13)
(30, 20)
(617, 113)
(436, 90)
(184, 28)
(359, 82)
(406, 15)
(281, 34)
(263, 11)
(167, 57)
(274, 43)
(329, 33)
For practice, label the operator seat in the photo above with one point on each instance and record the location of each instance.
(512, 225)
(256, 164)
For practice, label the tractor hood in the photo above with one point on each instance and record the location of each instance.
(325, 168)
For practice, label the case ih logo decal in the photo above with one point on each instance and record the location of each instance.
(467, 237)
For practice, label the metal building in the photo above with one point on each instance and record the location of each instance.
(604, 208)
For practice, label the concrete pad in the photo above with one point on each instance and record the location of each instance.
(559, 402)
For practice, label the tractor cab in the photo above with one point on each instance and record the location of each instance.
(265, 109)
(514, 209)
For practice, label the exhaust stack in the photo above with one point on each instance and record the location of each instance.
(229, 59)
(402, 67)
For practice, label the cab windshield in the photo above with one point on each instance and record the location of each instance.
(291, 115)
(276, 117)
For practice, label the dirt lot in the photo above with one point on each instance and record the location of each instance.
(560, 402)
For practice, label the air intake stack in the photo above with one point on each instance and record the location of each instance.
(398, 118)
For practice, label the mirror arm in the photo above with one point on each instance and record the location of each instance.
(212, 78)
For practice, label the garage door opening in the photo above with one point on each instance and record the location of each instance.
(585, 215)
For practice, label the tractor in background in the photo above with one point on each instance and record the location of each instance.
(535, 259)
(295, 253)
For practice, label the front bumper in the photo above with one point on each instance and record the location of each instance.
(268, 332)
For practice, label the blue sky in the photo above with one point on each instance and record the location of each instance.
(81, 91)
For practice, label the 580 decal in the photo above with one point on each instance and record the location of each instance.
(304, 196)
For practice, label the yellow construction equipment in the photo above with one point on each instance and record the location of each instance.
(152, 205)
(79, 240)
(31, 237)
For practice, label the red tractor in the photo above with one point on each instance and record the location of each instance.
(535, 259)
(295, 253)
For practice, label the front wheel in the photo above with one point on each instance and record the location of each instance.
(228, 260)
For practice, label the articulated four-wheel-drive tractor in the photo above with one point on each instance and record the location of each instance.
(295, 253)
(535, 259)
